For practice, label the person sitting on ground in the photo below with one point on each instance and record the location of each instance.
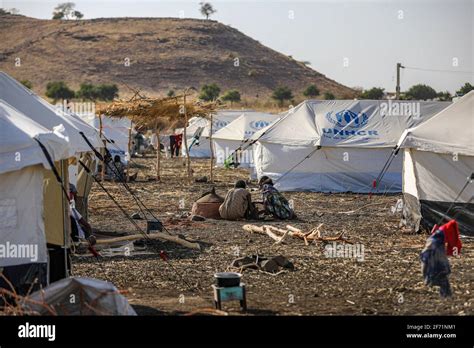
(238, 204)
(274, 202)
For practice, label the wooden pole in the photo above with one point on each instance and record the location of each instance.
(211, 176)
(129, 151)
(102, 172)
(158, 151)
(154, 235)
(185, 140)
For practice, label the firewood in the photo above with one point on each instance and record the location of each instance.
(253, 229)
(271, 234)
(155, 235)
(288, 232)
(293, 229)
(262, 230)
(283, 237)
(305, 240)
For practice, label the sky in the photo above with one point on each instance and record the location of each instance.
(355, 42)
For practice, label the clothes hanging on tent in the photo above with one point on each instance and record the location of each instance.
(451, 237)
(175, 144)
(435, 264)
(172, 145)
(178, 142)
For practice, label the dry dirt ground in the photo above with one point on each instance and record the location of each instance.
(387, 282)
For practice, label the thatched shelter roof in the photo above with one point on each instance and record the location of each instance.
(147, 113)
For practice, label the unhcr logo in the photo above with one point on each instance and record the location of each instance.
(350, 122)
(218, 124)
(257, 125)
(348, 118)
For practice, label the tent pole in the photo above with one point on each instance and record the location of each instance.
(102, 172)
(185, 140)
(129, 151)
(212, 152)
(65, 219)
(158, 151)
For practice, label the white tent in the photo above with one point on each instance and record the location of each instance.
(201, 125)
(338, 145)
(115, 129)
(33, 106)
(118, 131)
(56, 211)
(22, 229)
(94, 297)
(229, 138)
(439, 157)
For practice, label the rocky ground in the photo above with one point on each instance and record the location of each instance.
(387, 281)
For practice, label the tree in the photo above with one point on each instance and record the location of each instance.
(311, 91)
(232, 96)
(171, 93)
(465, 89)
(107, 92)
(329, 96)
(66, 10)
(87, 91)
(58, 15)
(373, 93)
(209, 92)
(58, 90)
(13, 11)
(27, 84)
(421, 92)
(78, 15)
(207, 9)
(444, 96)
(281, 94)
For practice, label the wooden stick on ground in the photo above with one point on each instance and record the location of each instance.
(261, 230)
(283, 237)
(155, 235)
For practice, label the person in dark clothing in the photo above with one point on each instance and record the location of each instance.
(273, 201)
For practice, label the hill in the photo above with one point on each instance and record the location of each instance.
(163, 54)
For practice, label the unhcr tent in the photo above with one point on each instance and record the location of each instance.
(116, 130)
(338, 145)
(23, 234)
(48, 116)
(33, 106)
(439, 159)
(94, 297)
(229, 138)
(199, 130)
